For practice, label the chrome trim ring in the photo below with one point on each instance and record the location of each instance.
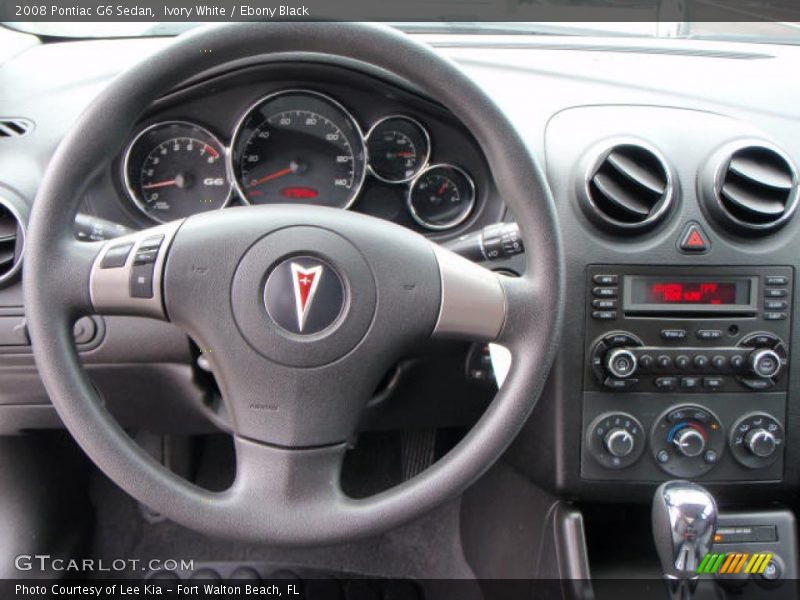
(129, 188)
(240, 122)
(428, 149)
(454, 222)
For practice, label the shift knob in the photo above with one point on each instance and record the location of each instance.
(684, 519)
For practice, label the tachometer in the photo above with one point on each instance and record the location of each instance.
(442, 196)
(298, 146)
(176, 169)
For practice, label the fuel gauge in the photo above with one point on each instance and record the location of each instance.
(442, 196)
(398, 148)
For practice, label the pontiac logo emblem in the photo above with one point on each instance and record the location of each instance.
(304, 295)
(305, 283)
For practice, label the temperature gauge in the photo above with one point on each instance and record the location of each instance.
(442, 196)
(398, 148)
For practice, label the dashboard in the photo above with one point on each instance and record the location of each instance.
(306, 134)
(676, 190)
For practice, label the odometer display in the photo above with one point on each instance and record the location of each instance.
(298, 147)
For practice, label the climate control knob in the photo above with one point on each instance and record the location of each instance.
(765, 363)
(689, 442)
(760, 442)
(621, 363)
(619, 442)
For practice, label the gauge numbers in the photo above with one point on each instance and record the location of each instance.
(398, 148)
(176, 169)
(442, 196)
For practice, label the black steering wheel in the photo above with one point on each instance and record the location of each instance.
(293, 396)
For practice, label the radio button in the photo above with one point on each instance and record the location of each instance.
(682, 361)
(666, 383)
(673, 334)
(621, 363)
(776, 293)
(736, 361)
(775, 304)
(605, 292)
(701, 361)
(718, 361)
(708, 334)
(646, 361)
(757, 384)
(604, 303)
(621, 339)
(604, 279)
(759, 340)
(776, 280)
(765, 363)
(690, 383)
(774, 316)
(620, 384)
(604, 315)
(664, 361)
(713, 383)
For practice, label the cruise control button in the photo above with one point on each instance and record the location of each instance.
(151, 242)
(145, 257)
(141, 283)
(117, 256)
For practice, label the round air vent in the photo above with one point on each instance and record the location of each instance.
(628, 186)
(12, 241)
(755, 187)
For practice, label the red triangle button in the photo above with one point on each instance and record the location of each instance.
(693, 240)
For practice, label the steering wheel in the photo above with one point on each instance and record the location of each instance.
(293, 390)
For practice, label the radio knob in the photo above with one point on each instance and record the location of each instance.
(619, 442)
(689, 442)
(765, 363)
(760, 442)
(621, 363)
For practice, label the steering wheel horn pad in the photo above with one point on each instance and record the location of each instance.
(293, 397)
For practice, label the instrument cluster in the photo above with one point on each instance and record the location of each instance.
(293, 146)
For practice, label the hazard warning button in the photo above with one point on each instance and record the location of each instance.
(693, 240)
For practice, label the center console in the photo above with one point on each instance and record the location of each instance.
(686, 372)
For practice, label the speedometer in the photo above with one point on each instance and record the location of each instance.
(298, 146)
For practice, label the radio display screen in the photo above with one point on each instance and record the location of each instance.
(689, 291)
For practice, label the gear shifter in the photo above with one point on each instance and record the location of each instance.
(684, 519)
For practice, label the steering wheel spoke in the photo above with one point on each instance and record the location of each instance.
(127, 273)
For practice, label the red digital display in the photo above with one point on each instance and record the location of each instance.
(299, 193)
(690, 292)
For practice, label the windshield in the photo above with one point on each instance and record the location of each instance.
(762, 31)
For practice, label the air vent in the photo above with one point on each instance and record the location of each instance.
(756, 187)
(629, 186)
(12, 242)
(15, 127)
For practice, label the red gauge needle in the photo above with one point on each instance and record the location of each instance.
(405, 154)
(212, 152)
(442, 189)
(271, 176)
(160, 184)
